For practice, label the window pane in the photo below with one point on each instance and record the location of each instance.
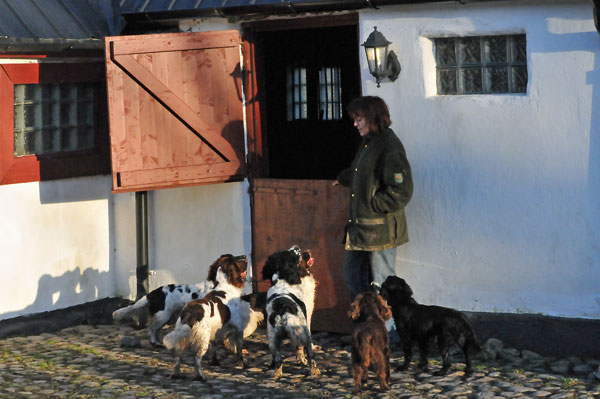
(519, 79)
(497, 80)
(471, 80)
(470, 50)
(496, 49)
(447, 81)
(519, 48)
(445, 51)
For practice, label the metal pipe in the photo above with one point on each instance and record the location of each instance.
(141, 238)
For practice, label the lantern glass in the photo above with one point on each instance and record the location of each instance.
(376, 59)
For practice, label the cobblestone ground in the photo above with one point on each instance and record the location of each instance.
(89, 362)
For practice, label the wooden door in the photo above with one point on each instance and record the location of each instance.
(311, 214)
(175, 109)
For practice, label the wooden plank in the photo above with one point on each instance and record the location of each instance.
(174, 42)
(148, 108)
(116, 115)
(175, 105)
(181, 173)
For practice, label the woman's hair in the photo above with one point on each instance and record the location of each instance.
(373, 109)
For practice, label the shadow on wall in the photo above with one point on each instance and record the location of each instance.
(71, 288)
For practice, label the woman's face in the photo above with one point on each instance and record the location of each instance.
(361, 125)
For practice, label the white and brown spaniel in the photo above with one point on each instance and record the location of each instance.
(197, 327)
(165, 303)
(290, 303)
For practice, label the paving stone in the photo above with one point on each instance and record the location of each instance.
(88, 362)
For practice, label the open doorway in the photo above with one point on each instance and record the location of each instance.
(310, 75)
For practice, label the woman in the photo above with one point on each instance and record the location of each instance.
(381, 185)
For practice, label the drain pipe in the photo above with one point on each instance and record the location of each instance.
(141, 239)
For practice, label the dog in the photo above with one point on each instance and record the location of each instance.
(165, 303)
(290, 303)
(247, 313)
(370, 342)
(422, 323)
(197, 327)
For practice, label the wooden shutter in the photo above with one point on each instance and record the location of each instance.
(175, 109)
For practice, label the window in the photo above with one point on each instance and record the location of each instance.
(481, 65)
(296, 93)
(329, 95)
(330, 99)
(53, 120)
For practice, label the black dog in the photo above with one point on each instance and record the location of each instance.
(422, 323)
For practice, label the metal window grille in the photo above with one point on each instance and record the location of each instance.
(296, 93)
(53, 117)
(330, 97)
(481, 64)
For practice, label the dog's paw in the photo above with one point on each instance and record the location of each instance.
(314, 370)
(277, 373)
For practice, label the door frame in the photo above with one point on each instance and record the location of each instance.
(331, 308)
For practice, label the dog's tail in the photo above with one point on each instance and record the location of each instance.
(182, 332)
(256, 317)
(131, 310)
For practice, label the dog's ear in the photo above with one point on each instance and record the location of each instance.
(270, 267)
(354, 312)
(289, 271)
(212, 270)
(384, 309)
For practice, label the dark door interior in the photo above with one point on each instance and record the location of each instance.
(310, 75)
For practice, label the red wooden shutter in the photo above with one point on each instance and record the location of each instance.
(175, 109)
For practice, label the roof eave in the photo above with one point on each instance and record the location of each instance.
(37, 45)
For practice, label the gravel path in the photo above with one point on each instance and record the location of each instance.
(90, 362)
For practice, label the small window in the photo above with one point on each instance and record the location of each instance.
(53, 118)
(481, 65)
(296, 93)
(330, 98)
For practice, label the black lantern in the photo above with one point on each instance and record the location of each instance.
(382, 63)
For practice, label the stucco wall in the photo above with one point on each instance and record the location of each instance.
(504, 216)
(71, 241)
(55, 248)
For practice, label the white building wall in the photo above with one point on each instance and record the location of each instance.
(55, 249)
(71, 241)
(504, 216)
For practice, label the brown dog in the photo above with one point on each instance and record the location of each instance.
(370, 342)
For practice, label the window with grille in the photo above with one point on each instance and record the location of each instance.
(330, 98)
(53, 118)
(481, 64)
(297, 107)
(329, 93)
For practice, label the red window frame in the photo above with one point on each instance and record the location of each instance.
(56, 165)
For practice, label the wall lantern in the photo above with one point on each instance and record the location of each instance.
(382, 63)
